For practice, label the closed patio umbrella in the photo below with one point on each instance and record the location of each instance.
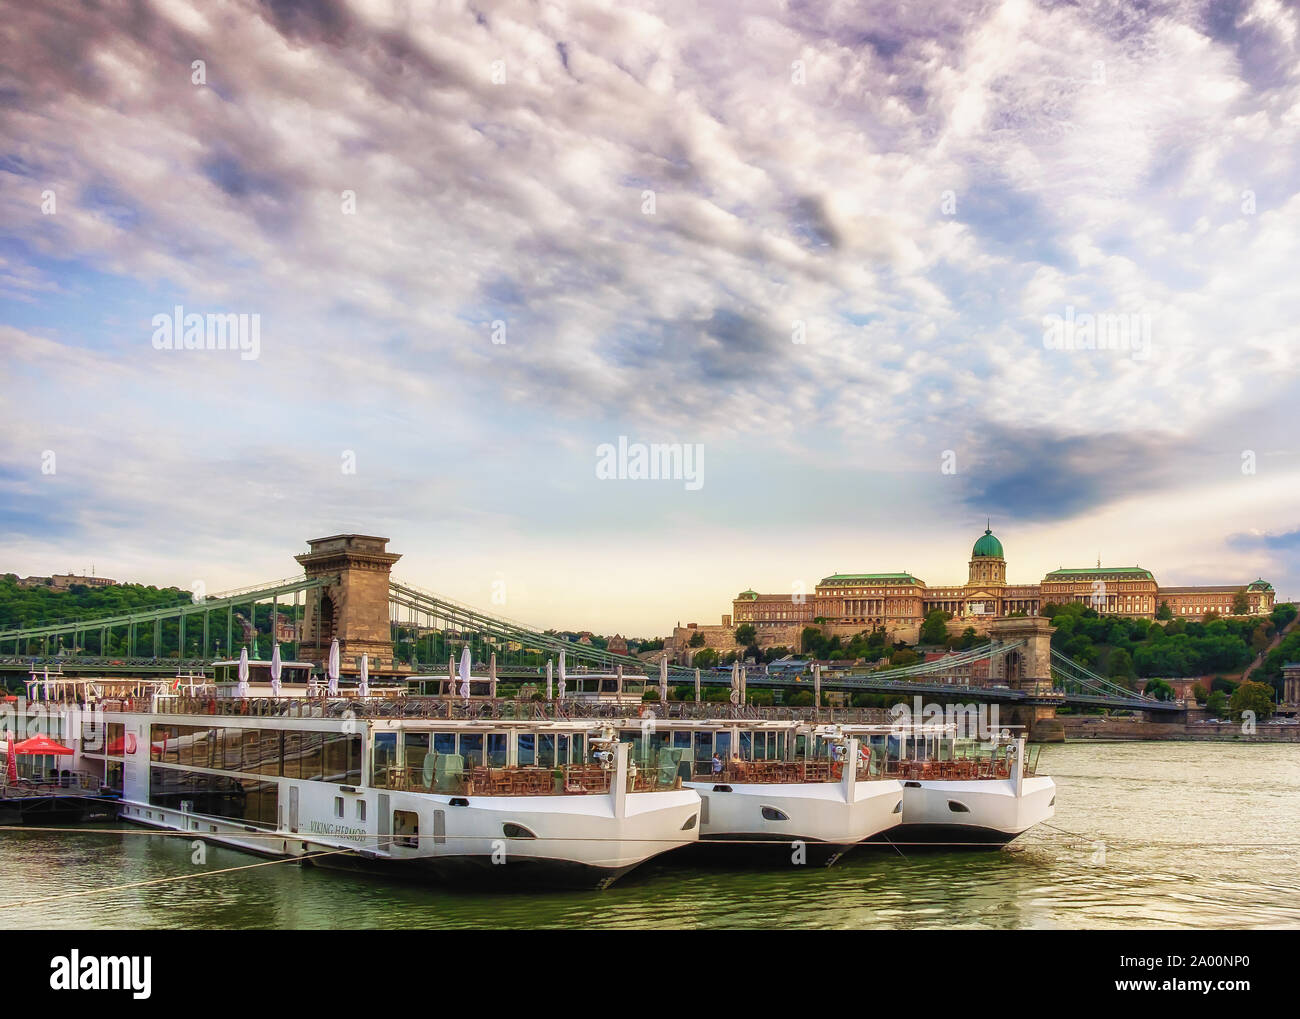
(242, 689)
(663, 679)
(333, 668)
(277, 668)
(363, 684)
(464, 672)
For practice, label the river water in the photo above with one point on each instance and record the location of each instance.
(1162, 835)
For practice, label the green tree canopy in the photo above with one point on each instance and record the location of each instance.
(1160, 690)
(1249, 696)
(935, 628)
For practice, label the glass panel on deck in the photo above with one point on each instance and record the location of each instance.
(471, 748)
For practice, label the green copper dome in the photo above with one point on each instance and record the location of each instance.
(987, 546)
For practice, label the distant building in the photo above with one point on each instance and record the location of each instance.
(1291, 683)
(848, 603)
(617, 645)
(64, 581)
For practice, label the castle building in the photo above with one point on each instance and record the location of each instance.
(847, 603)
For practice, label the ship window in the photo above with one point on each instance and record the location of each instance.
(898, 808)
(772, 814)
(690, 822)
(406, 829)
(338, 806)
(516, 831)
(361, 810)
(958, 808)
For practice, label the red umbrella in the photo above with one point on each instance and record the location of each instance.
(40, 745)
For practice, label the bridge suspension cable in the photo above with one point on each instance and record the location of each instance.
(1067, 671)
(88, 624)
(467, 617)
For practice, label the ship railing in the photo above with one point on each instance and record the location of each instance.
(57, 782)
(484, 708)
(561, 780)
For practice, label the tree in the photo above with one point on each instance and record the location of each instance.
(697, 639)
(746, 634)
(904, 656)
(935, 628)
(1159, 689)
(1256, 697)
(1200, 693)
(1240, 604)
(1164, 612)
(705, 659)
(1121, 664)
(1283, 614)
(1217, 704)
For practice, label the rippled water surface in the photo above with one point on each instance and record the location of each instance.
(1175, 835)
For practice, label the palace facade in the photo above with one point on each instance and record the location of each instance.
(847, 603)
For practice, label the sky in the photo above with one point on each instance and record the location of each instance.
(849, 255)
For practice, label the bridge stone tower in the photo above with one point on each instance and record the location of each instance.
(1029, 668)
(354, 607)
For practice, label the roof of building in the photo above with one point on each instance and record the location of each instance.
(1097, 571)
(987, 545)
(751, 594)
(1259, 585)
(1204, 589)
(851, 578)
